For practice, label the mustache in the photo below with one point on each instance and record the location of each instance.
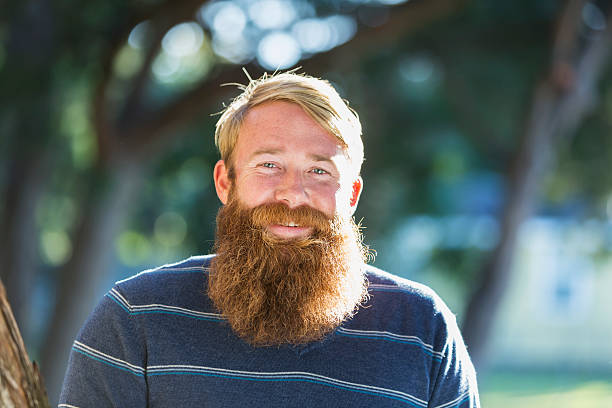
(285, 291)
(277, 213)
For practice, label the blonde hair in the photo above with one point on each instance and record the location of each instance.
(316, 96)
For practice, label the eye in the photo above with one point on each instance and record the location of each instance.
(319, 171)
(269, 165)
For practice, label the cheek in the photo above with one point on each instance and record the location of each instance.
(253, 191)
(326, 198)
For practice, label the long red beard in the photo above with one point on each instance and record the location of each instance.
(275, 291)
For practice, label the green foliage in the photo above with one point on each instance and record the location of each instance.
(582, 178)
(438, 141)
(443, 110)
(441, 139)
(546, 389)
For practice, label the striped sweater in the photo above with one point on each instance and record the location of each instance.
(156, 340)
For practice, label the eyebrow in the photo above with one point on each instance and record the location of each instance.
(265, 151)
(320, 158)
(315, 157)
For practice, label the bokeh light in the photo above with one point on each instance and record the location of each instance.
(183, 39)
(186, 56)
(128, 62)
(56, 247)
(229, 21)
(278, 33)
(593, 17)
(417, 69)
(322, 34)
(170, 229)
(236, 50)
(165, 66)
(139, 34)
(272, 14)
(278, 50)
(133, 248)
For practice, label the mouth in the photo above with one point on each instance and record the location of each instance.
(289, 230)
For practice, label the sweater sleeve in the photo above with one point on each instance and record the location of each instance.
(454, 385)
(108, 359)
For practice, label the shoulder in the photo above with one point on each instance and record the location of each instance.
(169, 283)
(171, 290)
(403, 306)
(384, 285)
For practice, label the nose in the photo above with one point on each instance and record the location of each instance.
(291, 191)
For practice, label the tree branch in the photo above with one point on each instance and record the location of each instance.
(162, 18)
(162, 21)
(156, 126)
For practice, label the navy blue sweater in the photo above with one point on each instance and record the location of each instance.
(156, 340)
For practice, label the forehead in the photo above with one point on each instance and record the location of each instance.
(285, 126)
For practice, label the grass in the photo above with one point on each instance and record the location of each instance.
(546, 390)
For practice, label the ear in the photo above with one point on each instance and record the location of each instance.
(222, 181)
(356, 193)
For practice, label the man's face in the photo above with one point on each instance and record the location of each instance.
(283, 156)
(289, 264)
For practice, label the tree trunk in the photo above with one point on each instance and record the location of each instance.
(559, 104)
(82, 277)
(26, 123)
(20, 382)
(18, 235)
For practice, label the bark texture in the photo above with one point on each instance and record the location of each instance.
(20, 382)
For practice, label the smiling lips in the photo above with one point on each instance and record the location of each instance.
(289, 230)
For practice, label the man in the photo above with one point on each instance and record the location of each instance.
(287, 314)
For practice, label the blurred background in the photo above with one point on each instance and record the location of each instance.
(487, 133)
